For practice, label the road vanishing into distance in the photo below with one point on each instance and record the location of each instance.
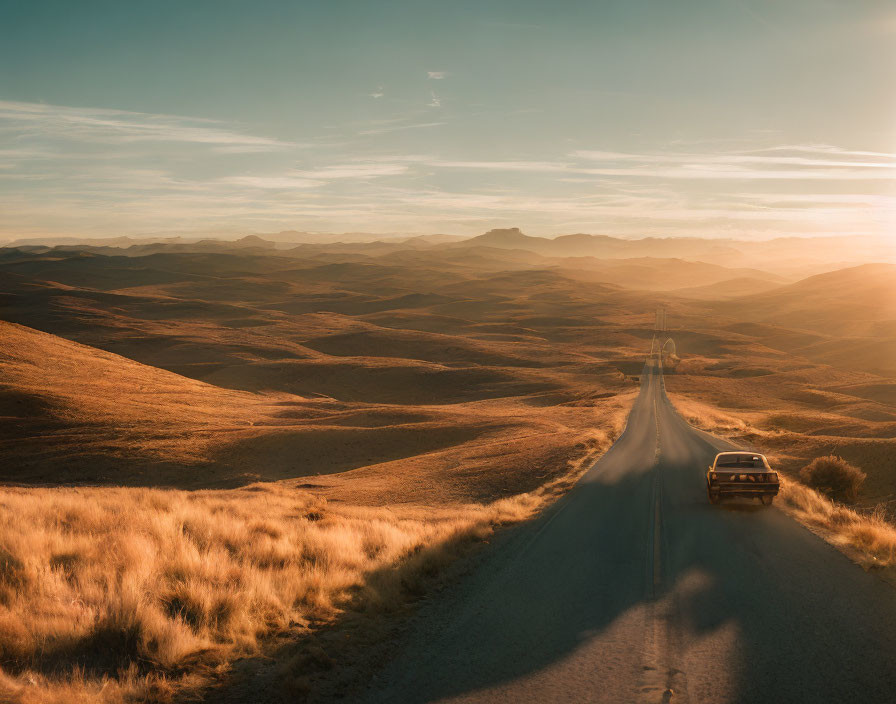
(633, 588)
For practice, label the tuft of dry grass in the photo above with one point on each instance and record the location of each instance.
(869, 537)
(834, 477)
(124, 594)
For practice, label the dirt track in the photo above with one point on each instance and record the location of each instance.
(633, 585)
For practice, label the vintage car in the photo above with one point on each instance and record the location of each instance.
(744, 474)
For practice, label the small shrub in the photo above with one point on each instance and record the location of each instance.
(834, 477)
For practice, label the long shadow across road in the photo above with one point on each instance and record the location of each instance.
(632, 588)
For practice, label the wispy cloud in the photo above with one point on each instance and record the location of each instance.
(436, 75)
(399, 127)
(435, 101)
(531, 166)
(824, 149)
(836, 158)
(119, 126)
(378, 93)
(312, 178)
(272, 182)
(841, 165)
(810, 200)
(357, 170)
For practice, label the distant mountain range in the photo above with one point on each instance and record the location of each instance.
(795, 256)
(279, 240)
(791, 258)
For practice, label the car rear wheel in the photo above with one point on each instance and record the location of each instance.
(714, 497)
(767, 499)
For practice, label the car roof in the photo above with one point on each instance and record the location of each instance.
(741, 453)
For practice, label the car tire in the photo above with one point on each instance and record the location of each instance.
(714, 497)
(767, 499)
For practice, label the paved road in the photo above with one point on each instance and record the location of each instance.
(633, 585)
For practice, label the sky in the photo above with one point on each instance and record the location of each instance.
(714, 118)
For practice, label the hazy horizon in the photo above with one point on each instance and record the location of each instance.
(887, 251)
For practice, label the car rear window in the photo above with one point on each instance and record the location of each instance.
(741, 462)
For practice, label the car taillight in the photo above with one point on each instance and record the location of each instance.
(773, 476)
(713, 476)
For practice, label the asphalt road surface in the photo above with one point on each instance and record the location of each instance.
(633, 588)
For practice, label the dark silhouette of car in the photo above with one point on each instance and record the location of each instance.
(741, 474)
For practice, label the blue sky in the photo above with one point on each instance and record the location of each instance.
(747, 118)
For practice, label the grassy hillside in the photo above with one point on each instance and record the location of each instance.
(112, 420)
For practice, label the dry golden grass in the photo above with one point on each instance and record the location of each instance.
(152, 583)
(124, 594)
(868, 537)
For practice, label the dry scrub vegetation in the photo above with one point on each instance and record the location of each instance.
(117, 595)
(834, 477)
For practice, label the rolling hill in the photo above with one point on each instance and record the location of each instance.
(852, 302)
(76, 413)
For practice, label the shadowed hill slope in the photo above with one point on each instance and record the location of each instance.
(79, 413)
